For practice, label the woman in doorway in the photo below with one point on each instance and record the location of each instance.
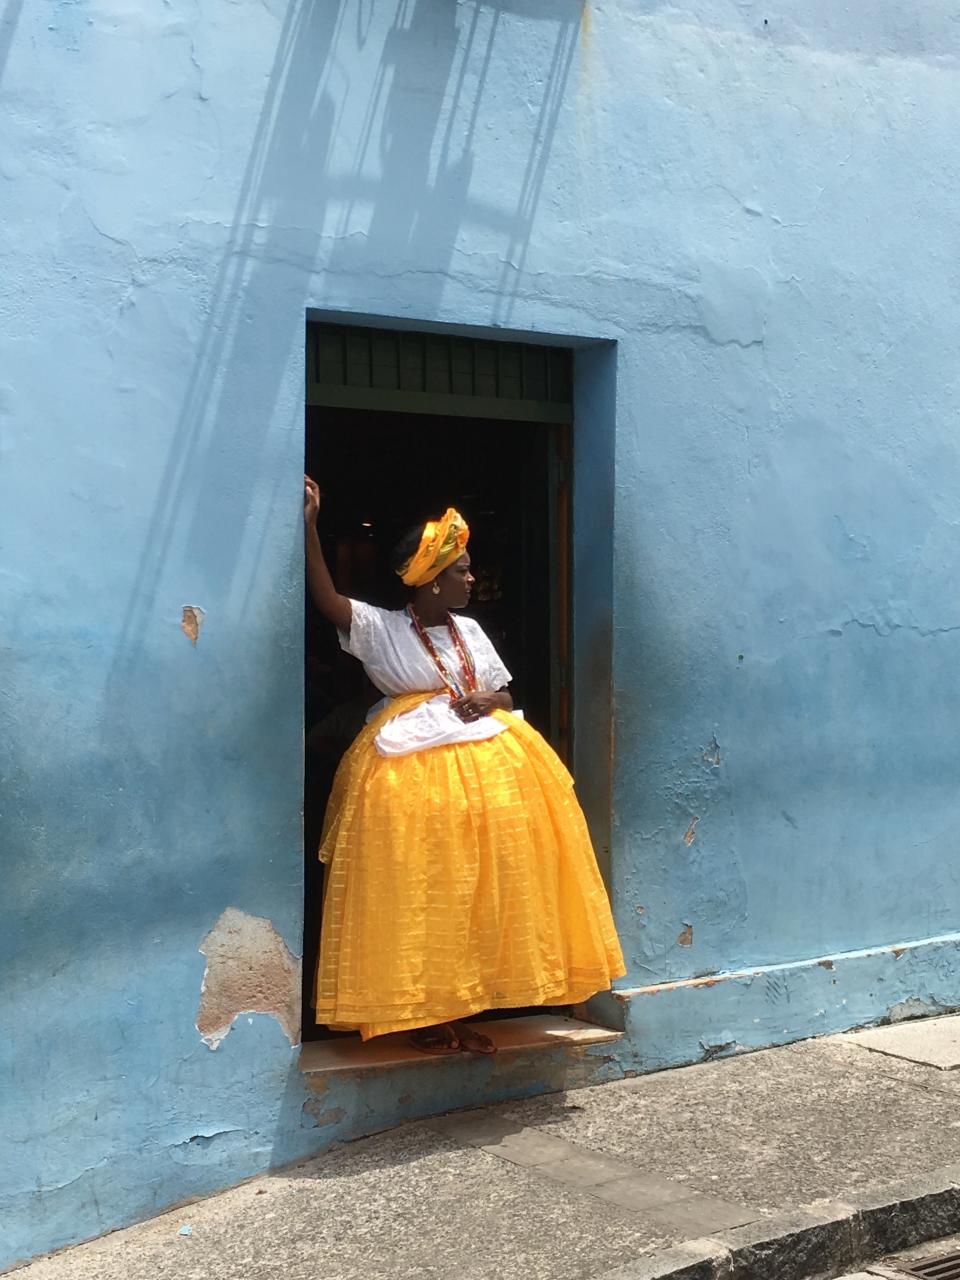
(460, 874)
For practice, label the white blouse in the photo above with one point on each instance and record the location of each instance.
(395, 659)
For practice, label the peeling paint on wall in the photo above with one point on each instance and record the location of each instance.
(249, 970)
(322, 1116)
(685, 937)
(914, 1007)
(691, 832)
(191, 622)
(719, 1049)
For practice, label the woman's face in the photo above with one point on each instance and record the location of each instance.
(456, 583)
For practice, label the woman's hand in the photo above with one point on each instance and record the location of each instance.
(311, 502)
(474, 706)
(326, 597)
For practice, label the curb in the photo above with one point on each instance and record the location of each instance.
(821, 1239)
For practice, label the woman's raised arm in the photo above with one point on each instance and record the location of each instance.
(335, 607)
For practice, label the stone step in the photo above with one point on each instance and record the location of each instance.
(510, 1035)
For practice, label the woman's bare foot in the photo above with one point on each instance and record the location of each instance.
(437, 1041)
(473, 1041)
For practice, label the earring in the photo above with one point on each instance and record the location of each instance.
(436, 587)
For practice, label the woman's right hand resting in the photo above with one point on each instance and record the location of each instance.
(476, 705)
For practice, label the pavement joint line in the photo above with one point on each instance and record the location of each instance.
(903, 1057)
(606, 1178)
(920, 1086)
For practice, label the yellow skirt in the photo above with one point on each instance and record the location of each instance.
(460, 878)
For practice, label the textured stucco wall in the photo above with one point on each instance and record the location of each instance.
(758, 208)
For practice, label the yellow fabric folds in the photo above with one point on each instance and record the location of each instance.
(443, 541)
(460, 878)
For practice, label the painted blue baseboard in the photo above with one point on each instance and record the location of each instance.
(676, 1023)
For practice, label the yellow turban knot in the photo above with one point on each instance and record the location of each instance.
(443, 541)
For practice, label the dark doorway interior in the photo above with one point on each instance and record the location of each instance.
(381, 473)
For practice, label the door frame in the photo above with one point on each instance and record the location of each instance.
(587, 579)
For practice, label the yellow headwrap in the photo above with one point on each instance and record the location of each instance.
(443, 541)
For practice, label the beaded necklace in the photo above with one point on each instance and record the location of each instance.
(467, 669)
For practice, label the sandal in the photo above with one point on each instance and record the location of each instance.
(437, 1041)
(473, 1041)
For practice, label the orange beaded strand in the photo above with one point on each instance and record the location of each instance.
(467, 668)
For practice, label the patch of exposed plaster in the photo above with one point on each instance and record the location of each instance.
(191, 622)
(733, 302)
(249, 970)
(202, 1140)
(321, 1118)
(913, 1007)
(719, 1049)
(208, 1146)
(685, 937)
(691, 832)
(712, 753)
(825, 964)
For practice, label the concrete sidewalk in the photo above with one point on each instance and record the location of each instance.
(812, 1158)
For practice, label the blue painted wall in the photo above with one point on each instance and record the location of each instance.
(758, 209)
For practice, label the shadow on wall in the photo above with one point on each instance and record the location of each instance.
(410, 172)
(429, 97)
(9, 20)
(243, 354)
(136, 804)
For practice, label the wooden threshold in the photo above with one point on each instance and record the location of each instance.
(510, 1035)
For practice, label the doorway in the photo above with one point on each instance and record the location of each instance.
(382, 470)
